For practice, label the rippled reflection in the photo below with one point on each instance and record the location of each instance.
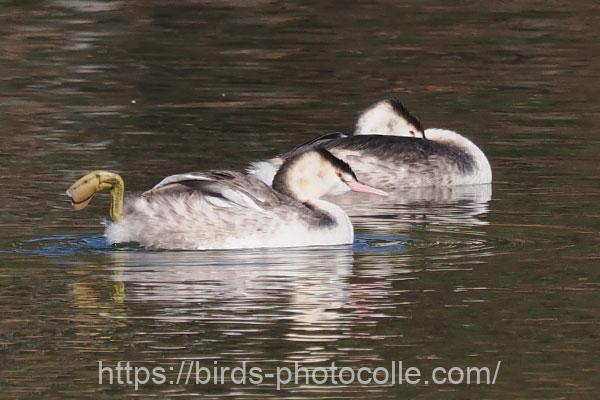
(445, 207)
(308, 289)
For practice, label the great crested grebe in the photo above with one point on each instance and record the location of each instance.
(227, 209)
(390, 149)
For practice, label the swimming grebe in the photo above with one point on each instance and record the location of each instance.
(227, 209)
(390, 149)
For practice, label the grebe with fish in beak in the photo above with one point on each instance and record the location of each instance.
(231, 210)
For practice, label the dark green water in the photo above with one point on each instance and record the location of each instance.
(441, 279)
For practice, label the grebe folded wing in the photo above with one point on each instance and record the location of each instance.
(228, 186)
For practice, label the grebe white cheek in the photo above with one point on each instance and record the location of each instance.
(388, 117)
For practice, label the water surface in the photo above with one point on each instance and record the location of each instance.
(456, 277)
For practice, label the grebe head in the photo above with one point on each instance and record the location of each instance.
(388, 117)
(315, 173)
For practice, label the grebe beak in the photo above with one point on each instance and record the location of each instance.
(359, 187)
